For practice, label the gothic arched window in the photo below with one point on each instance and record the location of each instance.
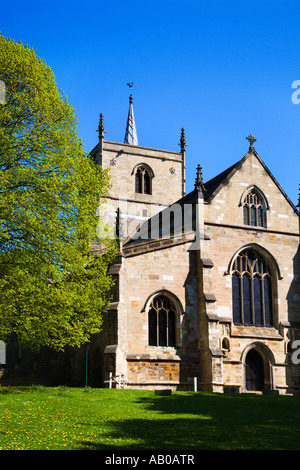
(162, 322)
(252, 290)
(143, 180)
(254, 209)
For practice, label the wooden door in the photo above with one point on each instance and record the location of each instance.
(254, 371)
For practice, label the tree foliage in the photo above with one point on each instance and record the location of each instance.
(53, 289)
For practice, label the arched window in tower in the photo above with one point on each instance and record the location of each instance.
(254, 209)
(143, 180)
(252, 290)
(147, 182)
(138, 180)
(162, 322)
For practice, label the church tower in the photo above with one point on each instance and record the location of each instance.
(144, 180)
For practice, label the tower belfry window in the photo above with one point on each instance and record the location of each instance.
(143, 180)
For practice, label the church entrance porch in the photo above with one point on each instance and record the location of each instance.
(257, 361)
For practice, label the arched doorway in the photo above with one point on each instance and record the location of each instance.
(255, 377)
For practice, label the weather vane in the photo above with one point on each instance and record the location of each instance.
(130, 86)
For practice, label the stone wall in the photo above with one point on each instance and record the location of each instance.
(279, 243)
(208, 345)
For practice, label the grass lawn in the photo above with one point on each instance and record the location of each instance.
(58, 418)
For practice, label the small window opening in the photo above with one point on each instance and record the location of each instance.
(143, 180)
(254, 210)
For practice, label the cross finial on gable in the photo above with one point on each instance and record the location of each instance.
(251, 139)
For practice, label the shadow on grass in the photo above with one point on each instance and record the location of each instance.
(202, 421)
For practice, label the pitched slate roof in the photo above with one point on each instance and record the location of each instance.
(213, 186)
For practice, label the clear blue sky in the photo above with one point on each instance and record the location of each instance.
(220, 69)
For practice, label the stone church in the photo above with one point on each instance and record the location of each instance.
(207, 284)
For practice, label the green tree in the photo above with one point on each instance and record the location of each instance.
(53, 289)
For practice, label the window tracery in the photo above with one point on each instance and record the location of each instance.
(254, 209)
(252, 290)
(162, 322)
(143, 180)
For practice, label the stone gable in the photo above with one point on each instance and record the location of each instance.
(225, 205)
